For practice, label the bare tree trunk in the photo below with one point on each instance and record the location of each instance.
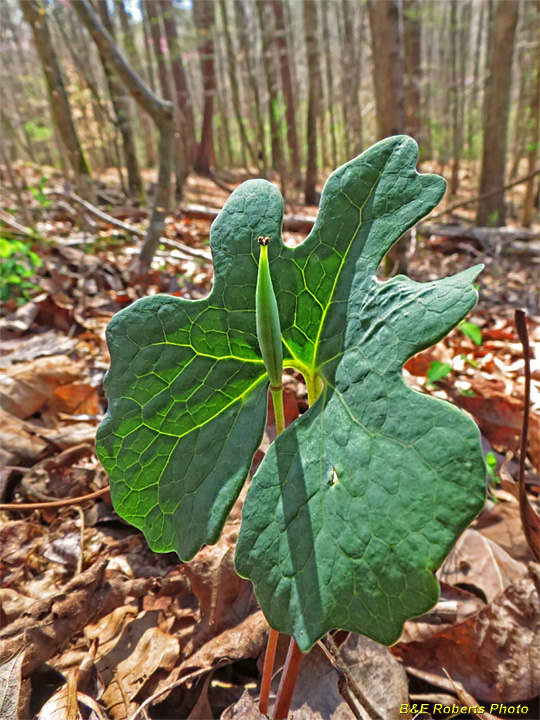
(183, 94)
(203, 14)
(329, 80)
(246, 45)
(310, 25)
(352, 74)
(533, 154)
(134, 58)
(388, 66)
(274, 111)
(456, 93)
(36, 16)
(413, 71)
(235, 86)
(472, 124)
(387, 49)
(161, 50)
(280, 37)
(159, 110)
(491, 210)
(121, 110)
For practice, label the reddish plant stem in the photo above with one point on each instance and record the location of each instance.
(288, 681)
(268, 669)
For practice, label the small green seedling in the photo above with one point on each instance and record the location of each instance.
(491, 467)
(437, 371)
(18, 264)
(472, 331)
(358, 502)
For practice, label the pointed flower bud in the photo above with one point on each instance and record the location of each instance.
(268, 327)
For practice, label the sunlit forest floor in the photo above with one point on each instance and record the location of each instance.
(95, 605)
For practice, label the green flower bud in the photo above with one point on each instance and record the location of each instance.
(268, 328)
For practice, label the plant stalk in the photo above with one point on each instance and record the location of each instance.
(269, 660)
(271, 647)
(288, 681)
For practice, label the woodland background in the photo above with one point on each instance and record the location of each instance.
(125, 126)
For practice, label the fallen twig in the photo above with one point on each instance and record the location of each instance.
(342, 682)
(48, 625)
(55, 503)
(529, 518)
(337, 661)
(202, 254)
(462, 203)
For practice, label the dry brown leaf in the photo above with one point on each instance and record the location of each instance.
(225, 599)
(455, 605)
(478, 561)
(19, 447)
(379, 676)
(495, 654)
(26, 387)
(507, 531)
(65, 705)
(75, 399)
(246, 640)
(500, 418)
(71, 434)
(128, 657)
(203, 709)
(245, 709)
(10, 686)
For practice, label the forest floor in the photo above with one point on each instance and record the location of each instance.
(86, 607)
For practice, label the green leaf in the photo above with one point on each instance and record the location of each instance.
(187, 390)
(491, 467)
(357, 502)
(438, 370)
(472, 331)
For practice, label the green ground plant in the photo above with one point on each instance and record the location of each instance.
(357, 502)
(18, 264)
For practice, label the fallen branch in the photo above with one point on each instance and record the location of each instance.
(293, 223)
(477, 198)
(49, 625)
(19, 229)
(202, 254)
(55, 503)
(529, 517)
(485, 236)
(332, 651)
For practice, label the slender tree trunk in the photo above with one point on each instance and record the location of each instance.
(455, 94)
(203, 14)
(491, 210)
(224, 103)
(265, 21)
(130, 48)
(388, 66)
(387, 50)
(121, 110)
(472, 123)
(413, 71)
(160, 111)
(235, 86)
(352, 73)
(286, 83)
(36, 16)
(329, 80)
(246, 46)
(183, 94)
(533, 154)
(161, 53)
(310, 25)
